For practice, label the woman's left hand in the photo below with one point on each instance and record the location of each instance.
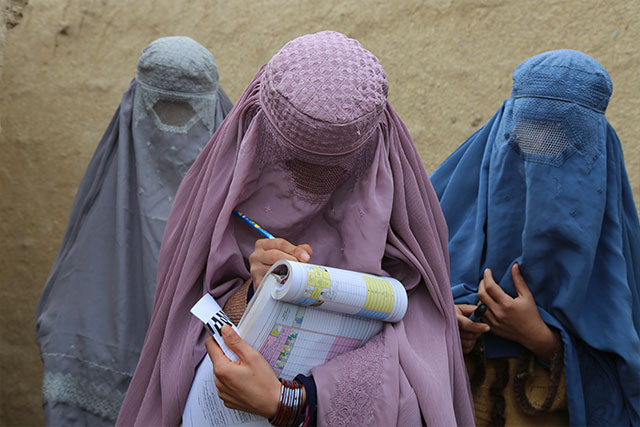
(516, 319)
(249, 384)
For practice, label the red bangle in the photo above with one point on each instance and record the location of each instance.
(290, 404)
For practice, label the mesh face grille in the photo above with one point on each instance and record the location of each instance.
(544, 138)
(169, 110)
(313, 177)
(173, 113)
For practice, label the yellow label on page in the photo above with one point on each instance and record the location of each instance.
(319, 279)
(380, 296)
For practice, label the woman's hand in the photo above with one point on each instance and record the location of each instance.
(470, 331)
(516, 319)
(249, 384)
(269, 251)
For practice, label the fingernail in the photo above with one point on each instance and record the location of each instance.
(304, 256)
(227, 331)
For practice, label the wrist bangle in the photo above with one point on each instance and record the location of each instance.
(290, 404)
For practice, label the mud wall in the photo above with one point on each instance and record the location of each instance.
(65, 64)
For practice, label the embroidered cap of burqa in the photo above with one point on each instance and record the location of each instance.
(544, 184)
(96, 304)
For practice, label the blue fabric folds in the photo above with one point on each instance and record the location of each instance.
(543, 184)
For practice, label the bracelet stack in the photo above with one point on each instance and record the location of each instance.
(290, 405)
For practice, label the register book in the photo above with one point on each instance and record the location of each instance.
(301, 316)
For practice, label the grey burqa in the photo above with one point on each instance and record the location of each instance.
(96, 305)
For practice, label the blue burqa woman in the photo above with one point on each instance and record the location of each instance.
(96, 304)
(543, 185)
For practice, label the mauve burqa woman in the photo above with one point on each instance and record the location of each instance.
(540, 196)
(314, 152)
(96, 304)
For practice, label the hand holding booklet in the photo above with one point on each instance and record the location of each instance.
(301, 316)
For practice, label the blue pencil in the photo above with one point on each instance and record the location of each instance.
(253, 224)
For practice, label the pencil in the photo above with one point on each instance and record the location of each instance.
(253, 224)
(477, 314)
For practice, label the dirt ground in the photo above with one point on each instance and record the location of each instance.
(65, 64)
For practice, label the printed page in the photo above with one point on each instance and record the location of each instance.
(343, 291)
(205, 408)
(293, 338)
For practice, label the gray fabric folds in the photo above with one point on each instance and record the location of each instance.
(96, 304)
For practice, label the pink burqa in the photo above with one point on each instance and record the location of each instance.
(314, 153)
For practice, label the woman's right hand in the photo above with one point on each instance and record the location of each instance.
(248, 384)
(470, 331)
(269, 251)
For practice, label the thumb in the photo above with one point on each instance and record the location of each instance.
(466, 309)
(488, 275)
(303, 252)
(521, 286)
(234, 341)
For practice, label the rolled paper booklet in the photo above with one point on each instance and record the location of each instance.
(342, 291)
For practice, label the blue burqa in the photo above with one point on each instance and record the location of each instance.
(543, 184)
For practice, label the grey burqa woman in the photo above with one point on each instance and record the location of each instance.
(96, 304)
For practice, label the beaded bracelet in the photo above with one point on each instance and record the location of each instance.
(290, 404)
(555, 375)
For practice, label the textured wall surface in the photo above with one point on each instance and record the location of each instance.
(65, 65)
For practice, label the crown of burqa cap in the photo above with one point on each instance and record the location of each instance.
(324, 95)
(96, 304)
(178, 64)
